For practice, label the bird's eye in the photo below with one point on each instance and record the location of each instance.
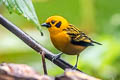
(52, 21)
(58, 24)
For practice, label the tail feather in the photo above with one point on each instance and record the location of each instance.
(96, 42)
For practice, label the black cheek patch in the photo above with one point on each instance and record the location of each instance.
(58, 24)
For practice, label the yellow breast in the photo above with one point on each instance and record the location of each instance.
(63, 43)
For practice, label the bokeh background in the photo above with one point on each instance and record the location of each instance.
(100, 19)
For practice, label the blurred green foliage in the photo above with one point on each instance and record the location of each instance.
(98, 18)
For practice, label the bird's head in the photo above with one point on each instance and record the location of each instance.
(55, 24)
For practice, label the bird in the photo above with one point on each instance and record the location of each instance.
(66, 37)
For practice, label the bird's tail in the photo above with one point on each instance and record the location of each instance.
(96, 42)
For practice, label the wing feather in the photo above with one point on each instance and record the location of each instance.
(78, 37)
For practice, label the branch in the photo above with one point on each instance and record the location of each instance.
(33, 43)
(44, 63)
(10, 71)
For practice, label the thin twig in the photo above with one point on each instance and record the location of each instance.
(33, 43)
(44, 63)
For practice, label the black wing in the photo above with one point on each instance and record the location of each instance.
(78, 37)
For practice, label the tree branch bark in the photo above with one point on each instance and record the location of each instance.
(11, 71)
(33, 43)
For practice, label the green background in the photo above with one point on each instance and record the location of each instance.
(100, 19)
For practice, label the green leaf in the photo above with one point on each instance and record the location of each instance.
(25, 8)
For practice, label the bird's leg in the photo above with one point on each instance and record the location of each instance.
(57, 56)
(76, 62)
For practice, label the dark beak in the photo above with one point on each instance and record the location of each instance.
(46, 25)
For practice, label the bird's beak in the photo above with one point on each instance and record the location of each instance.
(46, 25)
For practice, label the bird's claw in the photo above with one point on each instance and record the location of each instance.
(56, 57)
(74, 67)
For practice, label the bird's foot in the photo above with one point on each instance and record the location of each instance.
(57, 56)
(74, 67)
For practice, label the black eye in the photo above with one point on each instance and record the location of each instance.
(52, 22)
(58, 24)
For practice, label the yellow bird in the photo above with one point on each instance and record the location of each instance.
(66, 37)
